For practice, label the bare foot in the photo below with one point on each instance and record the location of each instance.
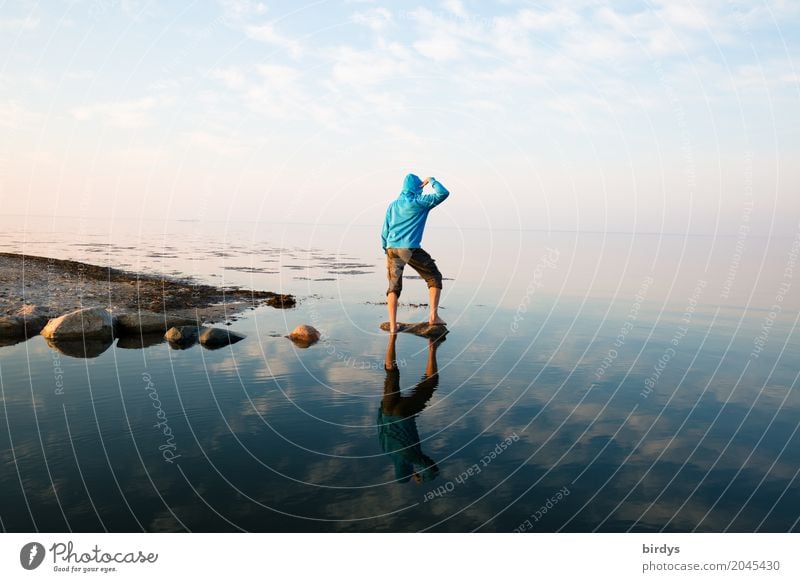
(436, 321)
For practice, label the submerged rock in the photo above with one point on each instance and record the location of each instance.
(216, 337)
(304, 336)
(148, 322)
(281, 301)
(183, 336)
(140, 341)
(94, 322)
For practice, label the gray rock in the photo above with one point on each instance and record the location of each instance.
(92, 322)
(148, 322)
(25, 322)
(215, 337)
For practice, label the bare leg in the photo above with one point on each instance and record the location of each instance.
(391, 303)
(433, 367)
(391, 353)
(434, 318)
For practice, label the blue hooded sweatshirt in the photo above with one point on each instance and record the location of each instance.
(400, 439)
(406, 215)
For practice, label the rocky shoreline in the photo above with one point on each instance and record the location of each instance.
(53, 296)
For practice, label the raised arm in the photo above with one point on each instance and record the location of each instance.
(440, 194)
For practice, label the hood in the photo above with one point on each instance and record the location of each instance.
(412, 184)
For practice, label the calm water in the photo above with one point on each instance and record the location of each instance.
(589, 382)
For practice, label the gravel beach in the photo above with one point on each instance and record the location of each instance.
(57, 286)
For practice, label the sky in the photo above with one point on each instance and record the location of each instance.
(675, 117)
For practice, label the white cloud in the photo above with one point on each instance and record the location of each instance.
(19, 24)
(268, 34)
(455, 7)
(231, 78)
(279, 75)
(278, 92)
(123, 114)
(557, 19)
(224, 145)
(238, 10)
(685, 15)
(376, 19)
(369, 67)
(15, 116)
(439, 47)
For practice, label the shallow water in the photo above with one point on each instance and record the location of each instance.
(589, 382)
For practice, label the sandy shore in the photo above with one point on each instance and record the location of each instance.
(57, 286)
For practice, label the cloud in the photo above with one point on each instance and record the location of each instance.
(684, 15)
(18, 24)
(439, 47)
(223, 145)
(369, 67)
(123, 114)
(455, 7)
(239, 10)
(279, 92)
(247, 16)
(376, 19)
(266, 33)
(278, 74)
(231, 78)
(15, 116)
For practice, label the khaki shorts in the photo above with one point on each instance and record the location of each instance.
(420, 261)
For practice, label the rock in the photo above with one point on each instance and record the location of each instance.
(423, 329)
(33, 317)
(282, 301)
(10, 327)
(80, 348)
(183, 336)
(304, 336)
(216, 337)
(92, 322)
(25, 322)
(149, 322)
(11, 340)
(138, 342)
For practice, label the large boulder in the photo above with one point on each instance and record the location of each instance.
(216, 337)
(145, 322)
(94, 322)
(304, 336)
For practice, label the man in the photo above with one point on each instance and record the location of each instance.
(401, 239)
(397, 417)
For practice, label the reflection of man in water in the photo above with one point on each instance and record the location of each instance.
(397, 417)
